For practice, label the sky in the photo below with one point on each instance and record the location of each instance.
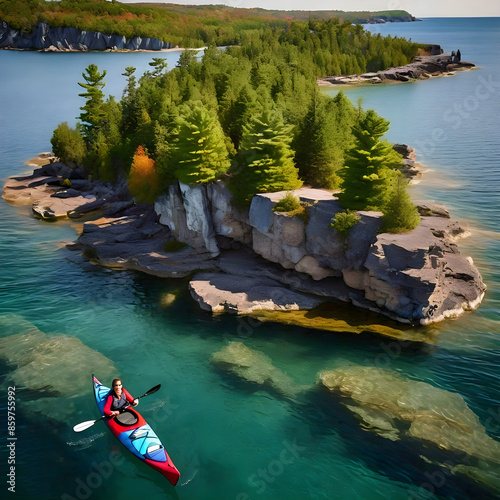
(418, 8)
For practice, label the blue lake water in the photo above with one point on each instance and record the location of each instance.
(230, 439)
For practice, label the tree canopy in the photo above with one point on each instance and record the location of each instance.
(264, 163)
(255, 107)
(369, 165)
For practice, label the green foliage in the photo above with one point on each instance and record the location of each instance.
(400, 214)
(293, 207)
(343, 222)
(369, 166)
(256, 105)
(264, 162)
(68, 144)
(198, 26)
(288, 203)
(323, 137)
(199, 151)
(93, 114)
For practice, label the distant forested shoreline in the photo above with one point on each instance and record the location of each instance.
(184, 25)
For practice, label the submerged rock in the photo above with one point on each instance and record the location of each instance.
(254, 366)
(398, 408)
(55, 366)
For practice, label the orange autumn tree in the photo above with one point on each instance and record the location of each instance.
(143, 179)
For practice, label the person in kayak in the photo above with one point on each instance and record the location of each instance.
(118, 399)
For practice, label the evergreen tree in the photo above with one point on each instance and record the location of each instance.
(92, 114)
(264, 163)
(129, 101)
(199, 151)
(159, 65)
(323, 136)
(369, 165)
(400, 214)
(237, 114)
(68, 144)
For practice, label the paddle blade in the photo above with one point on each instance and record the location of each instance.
(151, 391)
(84, 425)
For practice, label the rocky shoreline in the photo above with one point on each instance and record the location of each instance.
(261, 260)
(422, 67)
(68, 39)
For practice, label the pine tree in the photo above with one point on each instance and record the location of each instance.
(264, 163)
(324, 134)
(92, 114)
(237, 115)
(369, 165)
(199, 150)
(159, 65)
(400, 214)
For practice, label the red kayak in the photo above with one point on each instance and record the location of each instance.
(137, 436)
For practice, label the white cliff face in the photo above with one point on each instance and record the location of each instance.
(227, 220)
(199, 217)
(185, 210)
(62, 39)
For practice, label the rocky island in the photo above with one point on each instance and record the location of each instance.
(433, 64)
(243, 262)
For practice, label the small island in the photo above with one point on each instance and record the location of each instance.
(276, 200)
(430, 63)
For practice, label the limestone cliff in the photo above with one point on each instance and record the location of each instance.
(418, 277)
(260, 259)
(60, 39)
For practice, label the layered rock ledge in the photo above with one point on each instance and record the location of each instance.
(421, 68)
(63, 39)
(243, 262)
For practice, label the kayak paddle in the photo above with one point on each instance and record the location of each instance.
(89, 423)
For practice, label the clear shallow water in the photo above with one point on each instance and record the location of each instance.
(227, 436)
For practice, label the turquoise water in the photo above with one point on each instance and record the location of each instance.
(231, 439)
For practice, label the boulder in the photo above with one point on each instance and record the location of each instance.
(420, 276)
(55, 207)
(46, 364)
(407, 152)
(432, 209)
(217, 292)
